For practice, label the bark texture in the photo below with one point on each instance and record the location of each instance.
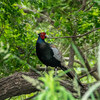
(15, 85)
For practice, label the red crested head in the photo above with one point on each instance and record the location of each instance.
(43, 35)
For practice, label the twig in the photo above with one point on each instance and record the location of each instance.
(76, 35)
(92, 71)
(75, 61)
(83, 5)
(90, 7)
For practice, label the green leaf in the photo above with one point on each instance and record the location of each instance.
(78, 53)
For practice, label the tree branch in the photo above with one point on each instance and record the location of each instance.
(76, 35)
(15, 85)
(90, 7)
(71, 57)
(90, 72)
(83, 5)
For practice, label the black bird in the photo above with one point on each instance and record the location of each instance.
(50, 55)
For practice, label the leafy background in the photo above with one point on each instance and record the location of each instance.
(22, 20)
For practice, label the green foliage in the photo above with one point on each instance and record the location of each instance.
(78, 53)
(19, 29)
(50, 89)
(97, 1)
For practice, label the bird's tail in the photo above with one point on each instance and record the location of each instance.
(71, 75)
